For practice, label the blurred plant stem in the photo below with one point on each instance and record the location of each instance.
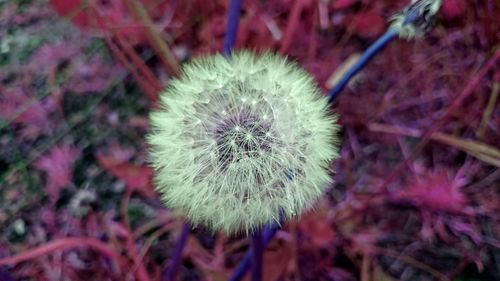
(258, 252)
(242, 268)
(481, 151)
(367, 56)
(159, 45)
(489, 110)
(233, 21)
(173, 267)
(413, 21)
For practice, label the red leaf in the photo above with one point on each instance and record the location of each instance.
(343, 4)
(316, 226)
(453, 8)
(58, 165)
(276, 261)
(368, 24)
(138, 178)
(73, 9)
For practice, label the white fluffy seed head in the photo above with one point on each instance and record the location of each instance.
(425, 12)
(237, 141)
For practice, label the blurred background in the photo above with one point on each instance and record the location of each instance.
(417, 187)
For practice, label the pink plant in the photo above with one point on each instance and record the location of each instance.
(435, 191)
(58, 165)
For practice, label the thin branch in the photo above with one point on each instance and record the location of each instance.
(244, 265)
(367, 56)
(258, 252)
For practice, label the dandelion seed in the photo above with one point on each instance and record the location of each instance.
(236, 174)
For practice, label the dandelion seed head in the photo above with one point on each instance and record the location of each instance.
(424, 14)
(237, 141)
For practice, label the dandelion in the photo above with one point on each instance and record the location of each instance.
(237, 142)
(416, 19)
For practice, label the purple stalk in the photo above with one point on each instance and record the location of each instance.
(369, 54)
(258, 253)
(5, 276)
(242, 268)
(233, 21)
(412, 15)
(173, 267)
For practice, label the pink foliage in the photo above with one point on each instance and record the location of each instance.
(435, 191)
(344, 237)
(91, 76)
(111, 16)
(85, 75)
(58, 165)
(367, 24)
(49, 56)
(453, 8)
(342, 4)
(460, 228)
(137, 177)
(31, 115)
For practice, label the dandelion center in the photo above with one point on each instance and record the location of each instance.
(241, 136)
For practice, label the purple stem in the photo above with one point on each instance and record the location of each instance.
(258, 252)
(369, 54)
(242, 268)
(233, 21)
(173, 267)
(5, 276)
(412, 15)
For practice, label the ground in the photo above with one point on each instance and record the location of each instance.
(416, 188)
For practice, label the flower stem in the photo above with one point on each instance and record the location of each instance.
(373, 50)
(173, 267)
(415, 12)
(5, 276)
(242, 268)
(233, 21)
(258, 252)
(159, 45)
